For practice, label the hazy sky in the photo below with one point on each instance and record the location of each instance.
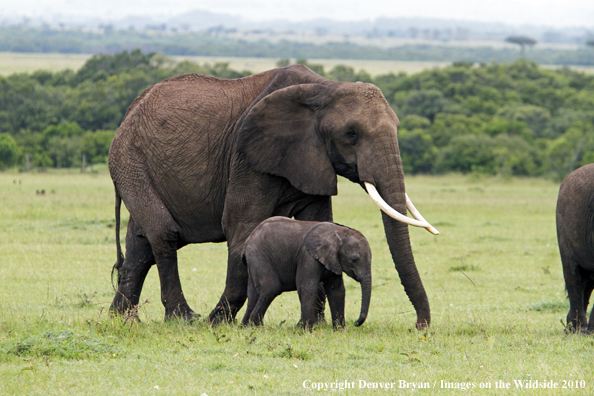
(555, 13)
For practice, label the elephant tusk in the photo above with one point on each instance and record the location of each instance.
(393, 213)
(418, 216)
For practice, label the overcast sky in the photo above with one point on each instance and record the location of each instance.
(556, 13)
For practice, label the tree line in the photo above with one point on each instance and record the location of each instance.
(497, 118)
(109, 40)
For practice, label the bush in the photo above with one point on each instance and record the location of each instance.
(96, 145)
(490, 118)
(9, 151)
(503, 154)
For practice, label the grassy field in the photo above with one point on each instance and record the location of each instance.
(17, 62)
(373, 67)
(11, 62)
(493, 278)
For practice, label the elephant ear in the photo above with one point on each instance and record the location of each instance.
(279, 136)
(323, 243)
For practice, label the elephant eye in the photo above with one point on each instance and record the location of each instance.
(352, 136)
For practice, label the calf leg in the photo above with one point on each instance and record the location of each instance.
(308, 294)
(264, 301)
(335, 291)
(252, 299)
(318, 210)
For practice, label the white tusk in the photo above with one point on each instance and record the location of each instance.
(419, 216)
(393, 213)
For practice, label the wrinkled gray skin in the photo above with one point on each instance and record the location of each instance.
(575, 233)
(202, 159)
(283, 255)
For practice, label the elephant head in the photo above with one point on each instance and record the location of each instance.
(342, 249)
(309, 133)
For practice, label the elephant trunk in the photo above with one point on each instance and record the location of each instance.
(387, 176)
(399, 242)
(365, 298)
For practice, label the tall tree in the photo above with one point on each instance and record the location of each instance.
(522, 41)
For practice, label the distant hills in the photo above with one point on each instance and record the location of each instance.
(435, 30)
(204, 33)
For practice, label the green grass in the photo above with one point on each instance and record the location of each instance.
(493, 277)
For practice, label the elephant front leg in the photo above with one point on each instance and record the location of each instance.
(319, 209)
(235, 292)
(308, 298)
(334, 288)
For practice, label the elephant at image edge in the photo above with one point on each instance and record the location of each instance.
(202, 159)
(575, 233)
(283, 254)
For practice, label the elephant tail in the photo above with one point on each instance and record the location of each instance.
(119, 261)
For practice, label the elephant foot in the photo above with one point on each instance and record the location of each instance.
(182, 311)
(422, 325)
(320, 317)
(580, 329)
(252, 323)
(224, 313)
(340, 324)
(578, 325)
(220, 315)
(121, 305)
(115, 311)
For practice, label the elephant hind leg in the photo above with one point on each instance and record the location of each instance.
(587, 294)
(136, 265)
(264, 301)
(575, 283)
(165, 245)
(578, 296)
(161, 230)
(266, 287)
(252, 299)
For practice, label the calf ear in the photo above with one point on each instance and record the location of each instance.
(279, 136)
(323, 242)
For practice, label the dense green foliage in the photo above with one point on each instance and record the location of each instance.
(108, 40)
(56, 117)
(515, 119)
(512, 118)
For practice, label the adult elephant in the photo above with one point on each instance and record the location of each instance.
(575, 233)
(202, 159)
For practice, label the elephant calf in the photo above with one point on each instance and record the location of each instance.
(283, 254)
(575, 233)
